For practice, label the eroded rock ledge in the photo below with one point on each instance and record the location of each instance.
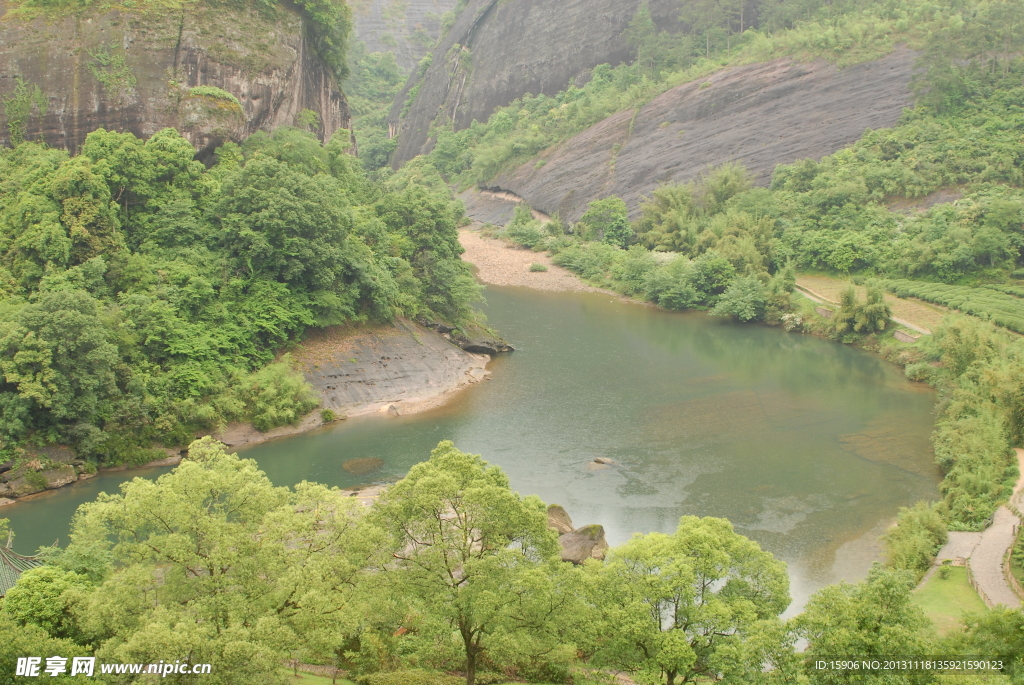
(578, 544)
(397, 369)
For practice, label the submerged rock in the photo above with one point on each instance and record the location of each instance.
(362, 465)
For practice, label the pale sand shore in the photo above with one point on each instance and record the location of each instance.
(500, 263)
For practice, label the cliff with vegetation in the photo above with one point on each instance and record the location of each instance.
(498, 51)
(214, 72)
(407, 28)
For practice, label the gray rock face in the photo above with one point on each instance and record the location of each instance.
(135, 73)
(386, 367)
(40, 468)
(407, 28)
(583, 543)
(58, 476)
(759, 115)
(558, 519)
(499, 50)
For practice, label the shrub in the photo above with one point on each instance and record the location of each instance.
(919, 371)
(215, 94)
(745, 298)
(277, 395)
(918, 535)
(607, 220)
(36, 480)
(524, 229)
(536, 266)
(327, 415)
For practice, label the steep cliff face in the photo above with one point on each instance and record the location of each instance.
(759, 115)
(407, 28)
(63, 78)
(499, 50)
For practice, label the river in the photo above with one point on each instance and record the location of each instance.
(809, 447)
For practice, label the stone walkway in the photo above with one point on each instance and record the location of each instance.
(986, 562)
(985, 551)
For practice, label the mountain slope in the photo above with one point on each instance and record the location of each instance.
(759, 115)
(405, 27)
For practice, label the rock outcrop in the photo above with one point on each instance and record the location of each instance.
(558, 519)
(139, 72)
(377, 369)
(407, 28)
(39, 469)
(578, 544)
(583, 543)
(499, 50)
(759, 115)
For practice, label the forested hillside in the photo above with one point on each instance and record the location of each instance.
(147, 297)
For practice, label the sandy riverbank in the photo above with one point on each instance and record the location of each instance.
(500, 263)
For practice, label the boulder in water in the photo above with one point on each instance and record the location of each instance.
(558, 519)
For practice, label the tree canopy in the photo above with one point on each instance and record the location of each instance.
(145, 297)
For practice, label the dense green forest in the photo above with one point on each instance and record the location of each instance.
(147, 297)
(450, 570)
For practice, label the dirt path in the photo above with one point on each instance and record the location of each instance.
(986, 562)
(917, 316)
(499, 263)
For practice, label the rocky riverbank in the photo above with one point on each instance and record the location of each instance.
(397, 369)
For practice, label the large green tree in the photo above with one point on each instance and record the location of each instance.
(473, 556)
(680, 607)
(873, 619)
(214, 564)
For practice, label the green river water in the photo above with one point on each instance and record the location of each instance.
(807, 446)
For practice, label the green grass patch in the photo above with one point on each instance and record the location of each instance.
(310, 679)
(945, 600)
